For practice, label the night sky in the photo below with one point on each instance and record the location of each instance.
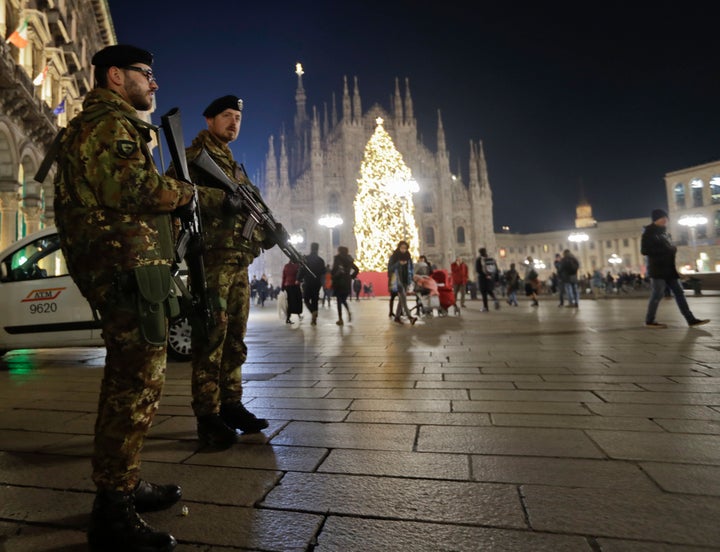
(571, 99)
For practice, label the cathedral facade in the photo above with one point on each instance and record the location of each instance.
(313, 170)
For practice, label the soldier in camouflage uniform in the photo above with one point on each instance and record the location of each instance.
(217, 362)
(113, 216)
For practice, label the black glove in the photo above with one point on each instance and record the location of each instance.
(278, 236)
(185, 212)
(232, 204)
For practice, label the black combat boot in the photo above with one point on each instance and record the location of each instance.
(237, 416)
(214, 432)
(115, 526)
(149, 497)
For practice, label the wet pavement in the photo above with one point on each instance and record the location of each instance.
(520, 429)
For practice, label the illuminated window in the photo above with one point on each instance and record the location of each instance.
(715, 188)
(626, 242)
(460, 234)
(608, 243)
(679, 192)
(696, 185)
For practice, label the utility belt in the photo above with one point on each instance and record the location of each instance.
(150, 292)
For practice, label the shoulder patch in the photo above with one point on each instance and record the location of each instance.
(125, 148)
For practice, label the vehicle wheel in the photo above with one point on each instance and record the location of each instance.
(179, 344)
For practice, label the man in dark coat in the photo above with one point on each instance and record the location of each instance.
(660, 252)
(312, 282)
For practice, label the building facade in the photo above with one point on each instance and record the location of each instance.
(45, 72)
(313, 171)
(611, 246)
(694, 208)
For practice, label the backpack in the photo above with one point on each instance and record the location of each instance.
(491, 269)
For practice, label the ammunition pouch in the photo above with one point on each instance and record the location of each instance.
(157, 302)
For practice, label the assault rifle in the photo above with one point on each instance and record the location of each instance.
(191, 244)
(259, 213)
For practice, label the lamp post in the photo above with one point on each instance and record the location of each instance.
(615, 260)
(330, 221)
(692, 222)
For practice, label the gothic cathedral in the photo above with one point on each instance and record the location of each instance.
(316, 171)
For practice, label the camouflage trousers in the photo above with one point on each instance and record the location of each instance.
(217, 363)
(129, 398)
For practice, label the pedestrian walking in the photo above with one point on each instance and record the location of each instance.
(660, 251)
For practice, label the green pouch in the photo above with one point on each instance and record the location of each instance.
(156, 302)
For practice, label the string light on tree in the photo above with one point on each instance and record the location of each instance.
(384, 211)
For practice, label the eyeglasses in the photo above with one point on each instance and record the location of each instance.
(147, 72)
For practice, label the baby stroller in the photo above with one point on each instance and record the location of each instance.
(428, 297)
(445, 291)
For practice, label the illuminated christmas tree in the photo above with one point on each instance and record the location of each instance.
(384, 212)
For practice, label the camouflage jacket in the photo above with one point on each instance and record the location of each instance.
(224, 242)
(111, 204)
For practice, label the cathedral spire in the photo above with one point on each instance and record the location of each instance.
(315, 131)
(398, 103)
(271, 178)
(482, 168)
(325, 128)
(357, 109)
(284, 168)
(347, 113)
(333, 112)
(441, 146)
(408, 103)
(300, 99)
(474, 176)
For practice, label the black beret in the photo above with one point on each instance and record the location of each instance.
(221, 104)
(121, 55)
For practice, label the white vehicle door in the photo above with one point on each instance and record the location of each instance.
(40, 304)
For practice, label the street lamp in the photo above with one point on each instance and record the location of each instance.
(614, 260)
(330, 221)
(578, 237)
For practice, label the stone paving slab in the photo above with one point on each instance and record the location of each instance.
(402, 499)
(684, 478)
(711, 427)
(687, 412)
(576, 422)
(240, 528)
(262, 457)
(359, 535)
(618, 545)
(563, 472)
(606, 513)
(420, 418)
(511, 441)
(360, 436)
(661, 447)
(397, 464)
(17, 537)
